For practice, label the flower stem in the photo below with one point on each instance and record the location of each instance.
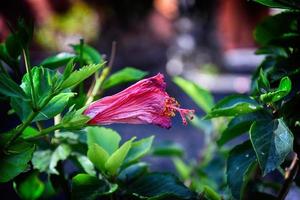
(45, 132)
(28, 69)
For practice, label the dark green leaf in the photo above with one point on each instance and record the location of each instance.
(202, 97)
(128, 74)
(160, 185)
(239, 162)
(285, 86)
(239, 125)
(11, 89)
(262, 82)
(30, 187)
(168, 148)
(57, 60)
(283, 4)
(211, 194)
(234, 105)
(80, 75)
(86, 187)
(107, 138)
(133, 172)
(272, 142)
(13, 46)
(139, 149)
(89, 54)
(16, 161)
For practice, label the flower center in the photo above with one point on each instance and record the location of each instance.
(171, 106)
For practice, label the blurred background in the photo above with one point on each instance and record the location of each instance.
(209, 42)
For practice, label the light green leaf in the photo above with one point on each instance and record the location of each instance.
(57, 60)
(80, 75)
(115, 161)
(272, 142)
(168, 148)
(98, 156)
(200, 96)
(30, 187)
(234, 105)
(86, 164)
(139, 149)
(107, 138)
(62, 152)
(125, 75)
(239, 163)
(285, 86)
(182, 169)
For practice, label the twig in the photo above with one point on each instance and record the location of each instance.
(97, 85)
(289, 176)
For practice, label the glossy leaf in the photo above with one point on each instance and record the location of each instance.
(115, 161)
(285, 86)
(239, 162)
(262, 82)
(239, 125)
(86, 187)
(139, 149)
(10, 88)
(128, 74)
(133, 172)
(200, 96)
(272, 142)
(234, 105)
(284, 4)
(80, 75)
(98, 156)
(160, 185)
(57, 60)
(16, 161)
(89, 54)
(30, 187)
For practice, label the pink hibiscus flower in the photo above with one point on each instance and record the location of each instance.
(145, 102)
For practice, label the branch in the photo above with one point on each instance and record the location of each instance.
(290, 173)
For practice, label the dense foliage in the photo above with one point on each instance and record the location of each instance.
(251, 141)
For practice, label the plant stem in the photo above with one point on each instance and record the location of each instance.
(97, 86)
(45, 132)
(19, 130)
(289, 176)
(28, 69)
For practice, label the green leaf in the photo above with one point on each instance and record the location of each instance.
(262, 82)
(234, 105)
(89, 54)
(272, 142)
(139, 149)
(239, 125)
(11, 89)
(30, 187)
(13, 63)
(274, 27)
(115, 161)
(46, 160)
(211, 194)
(98, 156)
(57, 60)
(128, 74)
(283, 4)
(68, 69)
(86, 187)
(16, 161)
(86, 164)
(168, 148)
(239, 163)
(285, 86)
(200, 96)
(13, 46)
(133, 172)
(107, 138)
(182, 169)
(80, 75)
(29, 132)
(160, 185)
